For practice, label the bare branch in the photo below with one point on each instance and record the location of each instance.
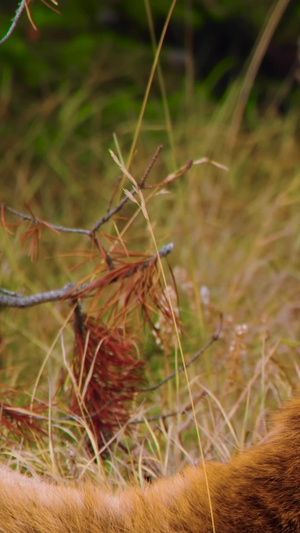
(70, 290)
(213, 339)
(35, 220)
(20, 301)
(170, 414)
(96, 226)
(113, 211)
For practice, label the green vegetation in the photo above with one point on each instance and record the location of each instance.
(236, 248)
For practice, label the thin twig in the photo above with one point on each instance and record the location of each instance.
(14, 22)
(111, 212)
(172, 177)
(213, 339)
(150, 166)
(70, 290)
(35, 220)
(96, 226)
(163, 416)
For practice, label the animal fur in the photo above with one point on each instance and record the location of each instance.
(258, 491)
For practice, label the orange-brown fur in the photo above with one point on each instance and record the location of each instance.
(258, 491)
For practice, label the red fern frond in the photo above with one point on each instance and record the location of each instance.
(21, 421)
(107, 373)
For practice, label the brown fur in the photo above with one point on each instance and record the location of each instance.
(258, 491)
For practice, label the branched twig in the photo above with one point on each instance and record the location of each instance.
(96, 226)
(70, 290)
(172, 177)
(35, 220)
(213, 339)
(183, 170)
(113, 211)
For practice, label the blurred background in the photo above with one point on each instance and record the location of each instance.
(210, 41)
(81, 75)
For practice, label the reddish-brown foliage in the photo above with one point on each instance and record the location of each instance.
(106, 371)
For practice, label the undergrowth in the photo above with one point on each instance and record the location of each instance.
(236, 245)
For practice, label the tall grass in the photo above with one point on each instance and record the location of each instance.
(236, 238)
